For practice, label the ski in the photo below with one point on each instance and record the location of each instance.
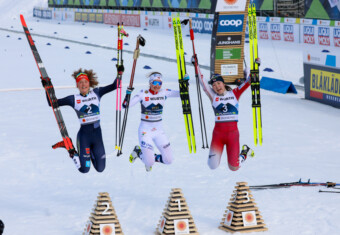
(198, 75)
(328, 191)
(48, 86)
(140, 42)
(254, 75)
(297, 183)
(184, 85)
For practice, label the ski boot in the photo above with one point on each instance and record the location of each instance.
(135, 154)
(246, 152)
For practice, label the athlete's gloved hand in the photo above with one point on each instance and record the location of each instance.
(129, 90)
(128, 93)
(120, 69)
(258, 61)
(194, 59)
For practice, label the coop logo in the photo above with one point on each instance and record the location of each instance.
(336, 34)
(275, 31)
(308, 35)
(230, 23)
(202, 25)
(288, 33)
(228, 40)
(324, 36)
(263, 29)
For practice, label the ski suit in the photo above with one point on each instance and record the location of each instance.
(225, 131)
(89, 138)
(151, 129)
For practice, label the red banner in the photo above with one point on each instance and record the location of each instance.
(127, 19)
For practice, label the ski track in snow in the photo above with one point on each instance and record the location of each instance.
(42, 191)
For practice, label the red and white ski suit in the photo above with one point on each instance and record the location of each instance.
(226, 117)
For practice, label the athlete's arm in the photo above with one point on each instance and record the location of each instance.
(171, 93)
(136, 99)
(203, 82)
(241, 88)
(68, 100)
(106, 89)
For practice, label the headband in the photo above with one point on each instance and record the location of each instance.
(215, 78)
(81, 76)
(155, 76)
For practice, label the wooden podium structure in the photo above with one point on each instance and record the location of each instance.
(176, 217)
(242, 215)
(103, 216)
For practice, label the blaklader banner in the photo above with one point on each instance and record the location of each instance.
(322, 78)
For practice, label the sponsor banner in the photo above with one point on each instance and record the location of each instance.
(288, 33)
(42, 13)
(229, 40)
(77, 16)
(337, 23)
(322, 84)
(324, 36)
(275, 19)
(230, 5)
(290, 20)
(261, 19)
(229, 69)
(275, 31)
(228, 54)
(152, 21)
(306, 21)
(336, 37)
(323, 59)
(230, 23)
(129, 20)
(308, 34)
(202, 25)
(92, 17)
(324, 22)
(263, 30)
(181, 226)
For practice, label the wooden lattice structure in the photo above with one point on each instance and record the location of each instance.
(103, 214)
(242, 214)
(176, 216)
(227, 46)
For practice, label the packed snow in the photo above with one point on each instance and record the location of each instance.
(43, 193)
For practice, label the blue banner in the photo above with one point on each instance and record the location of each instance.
(230, 23)
(200, 25)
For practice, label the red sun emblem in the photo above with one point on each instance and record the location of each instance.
(229, 217)
(181, 225)
(308, 57)
(84, 120)
(107, 230)
(219, 118)
(230, 2)
(146, 117)
(249, 217)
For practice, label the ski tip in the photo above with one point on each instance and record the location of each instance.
(22, 19)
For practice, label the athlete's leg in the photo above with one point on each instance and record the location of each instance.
(216, 149)
(83, 146)
(163, 144)
(233, 149)
(145, 141)
(98, 156)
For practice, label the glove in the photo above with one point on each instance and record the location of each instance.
(76, 161)
(43, 82)
(194, 59)
(125, 101)
(129, 90)
(258, 61)
(186, 77)
(120, 69)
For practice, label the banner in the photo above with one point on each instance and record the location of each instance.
(322, 78)
(200, 25)
(128, 19)
(42, 13)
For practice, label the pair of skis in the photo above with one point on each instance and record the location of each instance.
(184, 85)
(297, 183)
(254, 75)
(48, 86)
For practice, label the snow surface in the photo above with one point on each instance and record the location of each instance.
(43, 193)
